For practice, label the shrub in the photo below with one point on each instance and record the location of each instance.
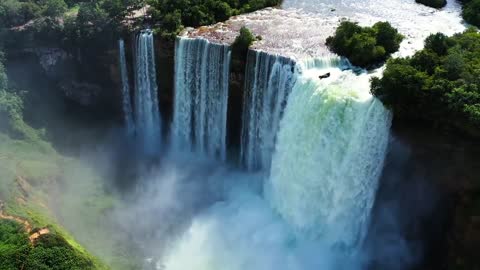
(365, 46)
(244, 39)
(54, 8)
(471, 12)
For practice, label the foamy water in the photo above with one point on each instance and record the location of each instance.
(299, 29)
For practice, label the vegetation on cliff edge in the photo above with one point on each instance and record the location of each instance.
(471, 11)
(439, 84)
(171, 16)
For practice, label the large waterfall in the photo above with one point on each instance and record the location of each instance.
(268, 82)
(147, 114)
(126, 99)
(201, 96)
(328, 159)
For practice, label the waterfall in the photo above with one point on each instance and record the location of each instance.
(126, 100)
(329, 155)
(201, 95)
(147, 114)
(268, 81)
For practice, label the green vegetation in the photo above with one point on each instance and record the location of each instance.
(433, 3)
(73, 24)
(32, 174)
(365, 46)
(50, 251)
(244, 39)
(471, 11)
(16, 12)
(170, 16)
(440, 84)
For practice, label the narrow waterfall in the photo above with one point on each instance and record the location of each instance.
(268, 82)
(201, 95)
(147, 114)
(126, 99)
(329, 155)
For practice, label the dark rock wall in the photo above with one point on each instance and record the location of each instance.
(428, 202)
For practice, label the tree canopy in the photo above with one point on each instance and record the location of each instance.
(172, 15)
(365, 46)
(471, 11)
(439, 84)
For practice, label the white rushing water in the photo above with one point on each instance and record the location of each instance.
(268, 82)
(321, 143)
(126, 99)
(147, 114)
(202, 71)
(316, 205)
(329, 156)
(299, 29)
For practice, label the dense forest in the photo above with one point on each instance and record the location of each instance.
(439, 84)
(73, 23)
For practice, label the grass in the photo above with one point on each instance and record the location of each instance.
(64, 194)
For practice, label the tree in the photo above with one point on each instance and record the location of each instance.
(243, 41)
(387, 37)
(365, 46)
(438, 43)
(54, 8)
(471, 12)
(439, 84)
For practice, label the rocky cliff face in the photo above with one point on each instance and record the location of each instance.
(430, 195)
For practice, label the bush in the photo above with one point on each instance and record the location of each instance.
(243, 41)
(471, 12)
(54, 8)
(14, 245)
(440, 84)
(433, 3)
(365, 46)
(51, 251)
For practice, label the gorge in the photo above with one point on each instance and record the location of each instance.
(218, 160)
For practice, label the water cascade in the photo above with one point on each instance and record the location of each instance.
(268, 82)
(316, 203)
(147, 114)
(329, 155)
(126, 100)
(201, 95)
